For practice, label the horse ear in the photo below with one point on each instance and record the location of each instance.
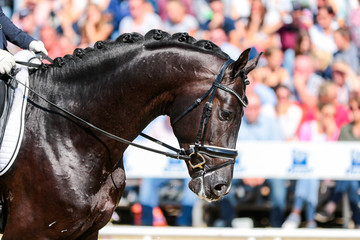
(250, 65)
(241, 62)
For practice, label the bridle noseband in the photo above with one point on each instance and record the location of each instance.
(196, 151)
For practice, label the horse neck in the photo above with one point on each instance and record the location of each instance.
(124, 96)
(158, 86)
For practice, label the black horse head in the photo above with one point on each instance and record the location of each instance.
(209, 131)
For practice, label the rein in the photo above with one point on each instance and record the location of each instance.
(179, 154)
(196, 151)
(42, 56)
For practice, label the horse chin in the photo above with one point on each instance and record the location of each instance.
(204, 191)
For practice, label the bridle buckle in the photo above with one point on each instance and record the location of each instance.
(198, 165)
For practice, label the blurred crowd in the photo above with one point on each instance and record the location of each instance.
(305, 42)
(306, 87)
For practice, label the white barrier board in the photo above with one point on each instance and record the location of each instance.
(289, 160)
(136, 232)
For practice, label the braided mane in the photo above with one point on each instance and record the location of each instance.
(154, 39)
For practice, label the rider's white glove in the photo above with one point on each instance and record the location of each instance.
(7, 61)
(37, 46)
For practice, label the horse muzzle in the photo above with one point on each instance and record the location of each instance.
(211, 183)
(213, 186)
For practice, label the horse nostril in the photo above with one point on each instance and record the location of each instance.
(220, 189)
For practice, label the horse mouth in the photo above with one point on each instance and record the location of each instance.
(209, 192)
(214, 182)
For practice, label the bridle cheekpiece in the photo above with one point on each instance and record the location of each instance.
(196, 151)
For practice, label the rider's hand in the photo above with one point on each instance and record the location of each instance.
(7, 61)
(37, 46)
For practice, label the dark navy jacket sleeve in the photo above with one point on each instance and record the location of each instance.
(11, 33)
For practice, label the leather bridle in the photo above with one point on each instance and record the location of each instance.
(196, 151)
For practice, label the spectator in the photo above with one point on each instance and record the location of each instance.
(141, 19)
(272, 74)
(323, 128)
(97, 26)
(219, 20)
(307, 18)
(238, 9)
(189, 6)
(328, 93)
(321, 61)
(259, 33)
(347, 51)
(202, 10)
(30, 4)
(303, 46)
(102, 4)
(340, 11)
(354, 25)
(322, 33)
(178, 20)
(288, 113)
(289, 116)
(266, 94)
(67, 45)
(306, 83)
(289, 32)
(346, 81)
(69, 15)
(258, 127)
(118, 9)
(46, 13)
(148, 192)
(239, 35)
(50, 39)
(349, 132)
(277, 12)
(278, 193)
(149, 200)
(219, 37)
(25, 20)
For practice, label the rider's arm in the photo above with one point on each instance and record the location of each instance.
(12, 33)
(9, 32)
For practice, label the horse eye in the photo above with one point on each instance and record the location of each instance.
(225, 115)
